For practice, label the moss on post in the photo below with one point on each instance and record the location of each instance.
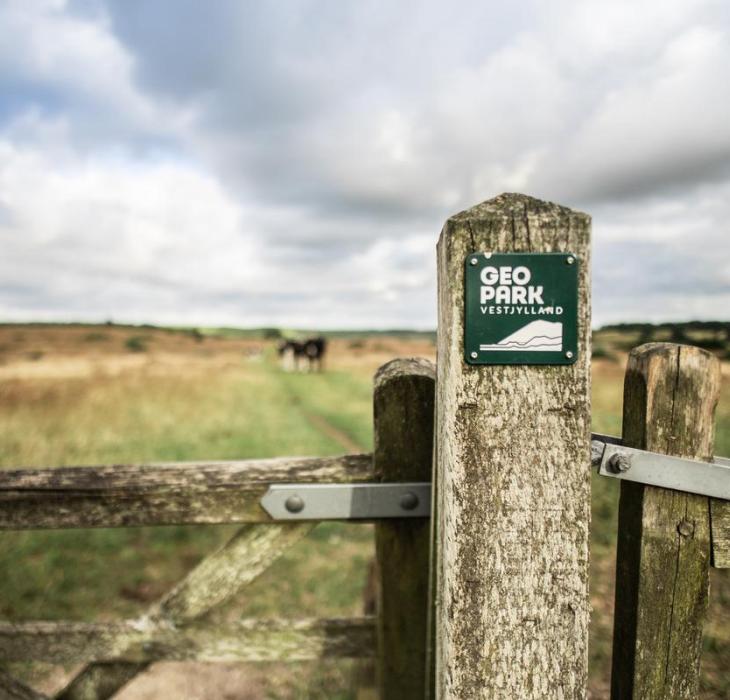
(512, 481)
(662, 577)
(403, 420)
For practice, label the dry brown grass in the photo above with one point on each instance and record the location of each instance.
(81, 395)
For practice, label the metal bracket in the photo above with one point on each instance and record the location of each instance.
(413, 500)
(347, 501)
(689, 475)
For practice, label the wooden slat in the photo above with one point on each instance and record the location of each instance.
(403, 420)
(245, 640)
(663, 552)
(12, 689)
(160, 494)
(209, 585)
(101, 680)
(221, 575)
(720, 517)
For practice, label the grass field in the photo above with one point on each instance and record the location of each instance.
(84, 395)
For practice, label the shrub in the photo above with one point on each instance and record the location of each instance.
(136, 343)
(602, 353)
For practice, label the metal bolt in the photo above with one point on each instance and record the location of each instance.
(569, 355)
(474, 355)
(294, 504)
(619, 462)
(685, 528)
(570, 260)
(473, 261)
(409, 501)
(596, 453)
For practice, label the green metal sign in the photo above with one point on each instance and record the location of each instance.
(521, 309)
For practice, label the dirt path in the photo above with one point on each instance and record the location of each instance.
(200, 681)
(322, 425)
(331, 431)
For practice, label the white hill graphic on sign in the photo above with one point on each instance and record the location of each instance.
(538, 336)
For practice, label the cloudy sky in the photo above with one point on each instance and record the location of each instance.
(291, 163)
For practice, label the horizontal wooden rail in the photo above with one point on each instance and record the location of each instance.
(182, 493)
(161, 494)
(144, 641)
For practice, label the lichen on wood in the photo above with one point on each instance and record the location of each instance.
(142, 642)
(512, 482)
(720, 521)
(209, 585)
(12, 689)
(403, 412)
(160, 494)
(663, 554)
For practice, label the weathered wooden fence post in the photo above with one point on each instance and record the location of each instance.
(512, 472)
(662, 578)
(720, 518)
(403, 416)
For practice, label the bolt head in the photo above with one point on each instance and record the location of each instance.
(570, 260)
(409, 501)
(473, 355)
(294, 504)
(569, 355)
(685, 528)
(473, 261)
(619, 462)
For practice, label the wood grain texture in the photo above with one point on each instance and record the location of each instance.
(720, 521)
(663, 555)
(252, 550)
(101, 680)
(512, 477)
(12, 689)
(215, 580)
(160, 494)
(144, 641)
(403, 413)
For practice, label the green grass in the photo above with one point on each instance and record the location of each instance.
(344, 400)
(244, 411)
(227, 410)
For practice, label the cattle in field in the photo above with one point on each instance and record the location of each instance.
(303, 356)
(314, 350)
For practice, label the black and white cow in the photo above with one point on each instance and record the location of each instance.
(314, 349)
(303, 356)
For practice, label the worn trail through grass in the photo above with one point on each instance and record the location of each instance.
(215, 400)
(343, 417)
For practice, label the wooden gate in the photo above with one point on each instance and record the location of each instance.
(502, 609)
(175, 628)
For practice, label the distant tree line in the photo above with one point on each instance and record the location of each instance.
(712, 335)
(712, 326)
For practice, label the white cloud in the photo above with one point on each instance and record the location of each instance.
(86, 232)
(293, 164)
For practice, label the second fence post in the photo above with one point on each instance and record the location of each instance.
(512, 466)
(403, 421)
(663, 558)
